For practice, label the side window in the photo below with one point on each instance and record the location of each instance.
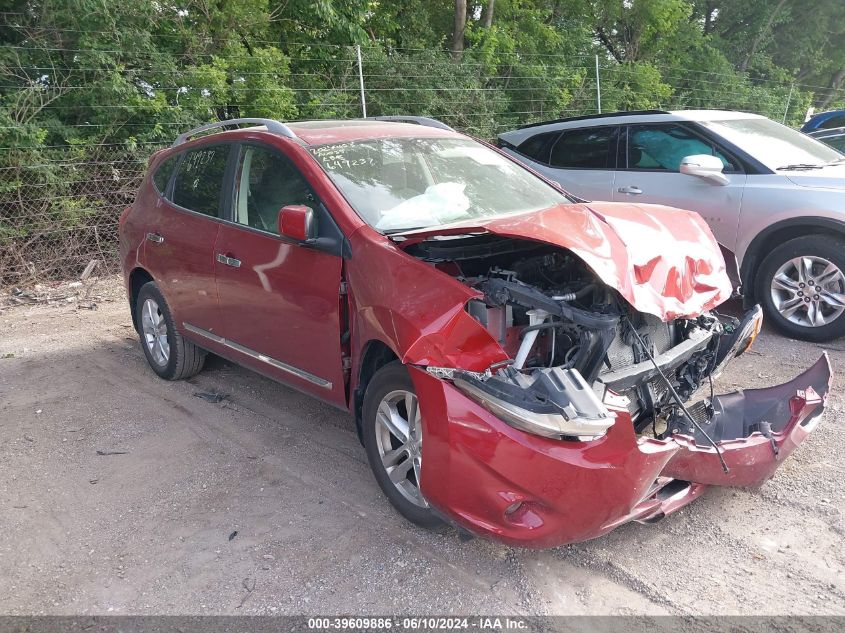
(199, 180)
(266, 182)
(161, 177)
(662, 147)
(537, 146)
(588, 148)
(836, 142)
(833, 122)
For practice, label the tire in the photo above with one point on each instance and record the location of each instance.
(785, 299)
(391, 387)
(169, 354)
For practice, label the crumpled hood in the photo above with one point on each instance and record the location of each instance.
(663, 261)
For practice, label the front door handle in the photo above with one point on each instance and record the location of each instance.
(634, 190)
(155, 237)
(229, 261)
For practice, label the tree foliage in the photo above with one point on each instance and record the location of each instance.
(91, 87)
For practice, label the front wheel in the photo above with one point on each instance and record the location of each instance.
(392, 432)
(801, 286)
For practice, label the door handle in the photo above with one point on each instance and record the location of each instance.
(155, 237)
(229, 261)
(633, 189)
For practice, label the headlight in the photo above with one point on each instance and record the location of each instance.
(556, 403)
(741, 339)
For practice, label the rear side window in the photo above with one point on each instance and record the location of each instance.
(588, 148)
(161, 177)
(537, 147)
(200, 179)
(833, 122)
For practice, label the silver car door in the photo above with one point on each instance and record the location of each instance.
(650, 173)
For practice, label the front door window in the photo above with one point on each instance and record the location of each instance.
(267, 181)
(662, 147)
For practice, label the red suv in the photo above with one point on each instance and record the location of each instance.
(520, 363)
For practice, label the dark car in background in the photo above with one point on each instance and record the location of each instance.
(824, 121)
(827, 127)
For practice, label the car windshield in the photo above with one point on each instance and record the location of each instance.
(773, 144)
(398, 184)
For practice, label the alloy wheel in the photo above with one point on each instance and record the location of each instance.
(809, 291)
(399, 443)
(154, 328)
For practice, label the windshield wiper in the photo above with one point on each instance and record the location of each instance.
(835, 161)
(404, 230)
(799, 166)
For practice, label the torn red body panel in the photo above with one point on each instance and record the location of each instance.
(663, 261)
(416, 311)
(791, 412)
(531, 491)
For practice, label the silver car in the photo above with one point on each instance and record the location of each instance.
(771, 195)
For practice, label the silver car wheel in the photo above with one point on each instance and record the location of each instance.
(809, 291)
(399, 443)
(154, 329)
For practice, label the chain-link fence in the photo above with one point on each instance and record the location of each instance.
(60, 204)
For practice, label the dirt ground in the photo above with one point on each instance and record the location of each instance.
(263, 503)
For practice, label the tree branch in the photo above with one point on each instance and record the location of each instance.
(608, 44)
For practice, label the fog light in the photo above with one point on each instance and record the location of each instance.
(522, 514)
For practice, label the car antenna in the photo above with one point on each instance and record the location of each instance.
(675, 395)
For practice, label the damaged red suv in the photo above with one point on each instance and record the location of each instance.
(520, 363)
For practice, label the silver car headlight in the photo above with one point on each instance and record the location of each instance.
(554, 402)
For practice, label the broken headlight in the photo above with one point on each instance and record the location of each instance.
(739, 339)
(553, 402)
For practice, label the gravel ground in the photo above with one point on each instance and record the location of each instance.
(263, 503)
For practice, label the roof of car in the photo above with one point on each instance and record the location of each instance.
(339, 131)
(633, 116)
(321, 132)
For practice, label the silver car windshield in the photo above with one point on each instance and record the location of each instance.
(398, 184)
(773, 144)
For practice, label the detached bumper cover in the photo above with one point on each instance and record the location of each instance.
(530, 491)
(755, 429)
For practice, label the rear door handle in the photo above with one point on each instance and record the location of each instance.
(634, 190)
(155, 237)
(229, 261)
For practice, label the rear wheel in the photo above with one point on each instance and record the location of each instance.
(392, 430)
(169, 354)
(801, 286)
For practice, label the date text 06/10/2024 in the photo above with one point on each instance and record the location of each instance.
(431, 623)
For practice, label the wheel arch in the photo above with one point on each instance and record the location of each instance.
(137, 278)
(375, 354)
(777, 234)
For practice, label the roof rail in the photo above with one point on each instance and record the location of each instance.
(276, 127)
(419, 120)
(593, 116)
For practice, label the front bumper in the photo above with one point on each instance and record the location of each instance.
(531, 491)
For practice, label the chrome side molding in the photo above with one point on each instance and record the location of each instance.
(290, 369)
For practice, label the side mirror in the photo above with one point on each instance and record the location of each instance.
(297, 222)
(704, 166)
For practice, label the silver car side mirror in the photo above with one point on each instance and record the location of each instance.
(704, 166)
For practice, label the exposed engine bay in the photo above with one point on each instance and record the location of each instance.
(571, 337)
